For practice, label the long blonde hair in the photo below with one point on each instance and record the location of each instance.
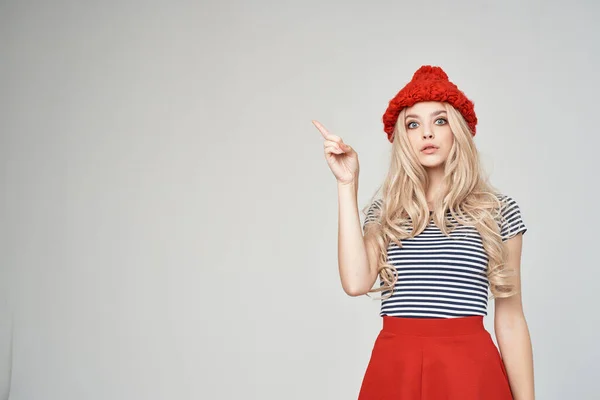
(465, 193)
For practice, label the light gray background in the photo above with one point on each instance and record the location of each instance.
(169, 223)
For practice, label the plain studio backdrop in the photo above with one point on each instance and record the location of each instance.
(169, 223)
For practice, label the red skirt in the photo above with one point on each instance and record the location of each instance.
(434, 359)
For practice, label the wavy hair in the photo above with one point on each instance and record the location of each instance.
(466, 195)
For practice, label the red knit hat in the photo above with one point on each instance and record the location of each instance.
(429, 83)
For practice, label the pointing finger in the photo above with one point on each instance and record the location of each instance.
(326, 134)
(321, 129)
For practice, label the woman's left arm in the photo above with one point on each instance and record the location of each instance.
(512, 332)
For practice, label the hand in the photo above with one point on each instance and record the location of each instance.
(341, 158)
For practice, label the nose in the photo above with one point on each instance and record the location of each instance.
(428, 135)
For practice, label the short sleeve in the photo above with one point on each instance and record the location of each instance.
(373, 213)
(512, 221)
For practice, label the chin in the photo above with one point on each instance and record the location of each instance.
(432, 164)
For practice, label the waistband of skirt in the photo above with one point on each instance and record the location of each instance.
(433, 326)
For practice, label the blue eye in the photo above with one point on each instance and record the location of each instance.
(414, 124)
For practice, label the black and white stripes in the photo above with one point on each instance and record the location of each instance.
(439, 276)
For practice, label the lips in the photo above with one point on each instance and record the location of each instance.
(428, 146)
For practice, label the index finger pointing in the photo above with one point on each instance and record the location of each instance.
(321, 129)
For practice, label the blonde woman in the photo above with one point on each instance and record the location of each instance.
(440, 239)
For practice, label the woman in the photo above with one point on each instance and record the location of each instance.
(439, 237)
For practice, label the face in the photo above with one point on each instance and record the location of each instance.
(427, 124)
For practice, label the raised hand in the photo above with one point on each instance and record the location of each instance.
(341, 158)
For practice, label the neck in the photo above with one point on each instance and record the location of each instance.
(436, 175)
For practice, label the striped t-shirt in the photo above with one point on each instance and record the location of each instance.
(441, 277)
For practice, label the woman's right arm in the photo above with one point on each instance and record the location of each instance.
(357, 258)
(357, 254)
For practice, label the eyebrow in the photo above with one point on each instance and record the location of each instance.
(433, 114)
